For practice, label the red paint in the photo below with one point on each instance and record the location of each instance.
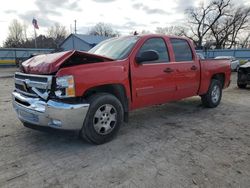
(149, 83)
(50, 63)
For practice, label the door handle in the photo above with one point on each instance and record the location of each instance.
(193, 67)
(168, 70)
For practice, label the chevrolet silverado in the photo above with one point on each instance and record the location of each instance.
(93, 92)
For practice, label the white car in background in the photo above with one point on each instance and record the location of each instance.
(235, 64)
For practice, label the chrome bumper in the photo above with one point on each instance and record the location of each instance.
(52, 114)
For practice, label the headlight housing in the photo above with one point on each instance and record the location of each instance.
(65, 86)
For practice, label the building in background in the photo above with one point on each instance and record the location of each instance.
(14, 56)
(81, 42)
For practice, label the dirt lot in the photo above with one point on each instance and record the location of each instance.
(179, 144)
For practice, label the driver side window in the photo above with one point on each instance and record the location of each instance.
(158, 45)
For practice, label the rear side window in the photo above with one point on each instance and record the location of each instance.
(182, 50)
(158, 45)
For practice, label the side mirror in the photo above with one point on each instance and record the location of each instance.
(149, 55)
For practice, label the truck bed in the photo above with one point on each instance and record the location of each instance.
(210, 67)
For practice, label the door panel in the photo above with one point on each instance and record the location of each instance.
(152, 85)
(152, 82)
(187, 75)
(187, 80)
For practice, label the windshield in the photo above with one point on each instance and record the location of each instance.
(115, 48)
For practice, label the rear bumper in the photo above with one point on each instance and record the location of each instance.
(51, 114)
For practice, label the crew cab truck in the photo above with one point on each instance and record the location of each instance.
(93, 92)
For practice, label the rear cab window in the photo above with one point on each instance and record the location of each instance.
(182, 50)
(157, 44)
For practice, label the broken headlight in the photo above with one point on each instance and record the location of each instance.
(65, 87)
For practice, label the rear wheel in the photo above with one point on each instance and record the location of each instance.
(103, 120)
(213, 96)
(242, 86)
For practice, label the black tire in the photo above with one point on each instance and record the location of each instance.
(208, 100)
(241, 86)
(99, 104)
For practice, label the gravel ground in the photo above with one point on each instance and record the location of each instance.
(179, 144)
(7, 72)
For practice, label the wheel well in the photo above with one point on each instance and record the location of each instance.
(220, 77)
(117, 90)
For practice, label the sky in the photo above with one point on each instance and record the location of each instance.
(124, 16)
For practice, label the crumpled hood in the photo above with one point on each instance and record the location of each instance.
(50, 63)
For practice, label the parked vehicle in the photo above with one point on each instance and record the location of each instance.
(93, 92)
(235, 64)
(244, 75)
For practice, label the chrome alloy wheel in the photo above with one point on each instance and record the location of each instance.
(105, 119)
(215, 94)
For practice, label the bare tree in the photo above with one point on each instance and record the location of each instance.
(172, 30)
(202, 18)
(25, 27)
(225, 31)
(58, 33)
(16, 35)
(240, 22)
(244, 40)
(103, 29)
(142, 32)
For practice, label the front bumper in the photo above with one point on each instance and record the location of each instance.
(52, 114)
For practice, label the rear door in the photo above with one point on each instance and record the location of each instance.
(152, 81)
(187, 76)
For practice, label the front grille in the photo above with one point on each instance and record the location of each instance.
(33, 85)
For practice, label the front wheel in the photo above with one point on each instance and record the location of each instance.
(103, 120)
(213, 96)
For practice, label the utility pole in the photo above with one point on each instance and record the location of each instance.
(75, 26)
(35, 37)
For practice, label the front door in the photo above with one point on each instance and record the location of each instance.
(152, 81)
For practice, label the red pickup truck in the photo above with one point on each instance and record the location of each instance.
(93, 92)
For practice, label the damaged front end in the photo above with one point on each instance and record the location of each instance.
(48, 64)
(42, 99)
(35, 104)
